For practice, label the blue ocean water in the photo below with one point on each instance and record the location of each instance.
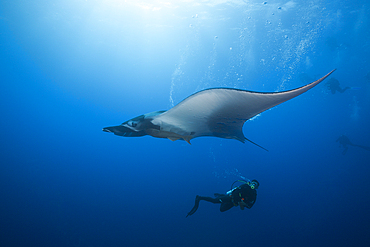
(69, 68)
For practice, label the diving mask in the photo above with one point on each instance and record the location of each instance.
(254, 184)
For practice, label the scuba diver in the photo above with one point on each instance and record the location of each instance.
(244, 196)
(345, 142)
(333, 86)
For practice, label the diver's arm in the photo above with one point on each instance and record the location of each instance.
(360, 146)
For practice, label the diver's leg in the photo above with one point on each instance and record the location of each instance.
(204, 198)
(210, 199)
(226, 206)
(226, 203)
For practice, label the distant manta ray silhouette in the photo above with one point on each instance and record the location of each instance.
(218, 112)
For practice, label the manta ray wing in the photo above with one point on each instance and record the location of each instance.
(221, 112)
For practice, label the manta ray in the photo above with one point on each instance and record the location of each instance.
(218, 112)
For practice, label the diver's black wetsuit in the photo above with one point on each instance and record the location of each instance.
(243, 193)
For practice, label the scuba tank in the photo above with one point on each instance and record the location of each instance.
(233, 188)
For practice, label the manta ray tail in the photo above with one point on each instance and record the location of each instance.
(240, 137)
(246, 139)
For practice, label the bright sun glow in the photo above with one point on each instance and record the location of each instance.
(146, 5)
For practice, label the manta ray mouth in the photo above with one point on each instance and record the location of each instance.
(107, 130)
(123, 131)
